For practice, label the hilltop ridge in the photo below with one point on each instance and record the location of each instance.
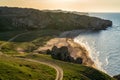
(12, 18)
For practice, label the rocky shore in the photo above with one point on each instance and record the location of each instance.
(66, 49)
(117, 77)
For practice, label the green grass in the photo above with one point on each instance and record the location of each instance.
(39, 34)
(28, 42)
(31, 36)
(5, 36)
(73, 71)
(24, 70)
(16, 69)
(8, 48)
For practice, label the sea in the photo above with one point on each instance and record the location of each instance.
(104, 45)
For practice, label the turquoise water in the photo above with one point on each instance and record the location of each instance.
(104, 45)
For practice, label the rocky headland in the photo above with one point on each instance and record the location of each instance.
(12, 18)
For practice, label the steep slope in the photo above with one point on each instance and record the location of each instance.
(31, 19)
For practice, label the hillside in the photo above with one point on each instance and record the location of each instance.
(22, 70)
(31, 19)
(27, 42)
(23, 31)
(17, 69)
(73, 71)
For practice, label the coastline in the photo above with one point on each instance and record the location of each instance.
(76, 49)
(47, 41)
(94, 56)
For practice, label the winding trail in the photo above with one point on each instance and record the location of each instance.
(59, 74)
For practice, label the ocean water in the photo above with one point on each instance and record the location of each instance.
(104, 46)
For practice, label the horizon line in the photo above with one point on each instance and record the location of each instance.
(62, 10)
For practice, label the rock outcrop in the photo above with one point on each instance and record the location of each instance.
(117, 77)
(31, 19)
(63, 54)
(67, 50)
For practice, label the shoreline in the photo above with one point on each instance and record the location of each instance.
(76, 50)
(74, 34)
(91, 55)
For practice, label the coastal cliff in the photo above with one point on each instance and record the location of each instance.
(32, 19)
(38, 32)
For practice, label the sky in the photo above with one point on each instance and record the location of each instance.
(69, 5)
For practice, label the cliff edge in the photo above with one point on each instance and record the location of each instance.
(12, 18)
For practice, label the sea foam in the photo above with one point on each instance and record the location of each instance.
(94, 55)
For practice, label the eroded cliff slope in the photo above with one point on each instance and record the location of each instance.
(29, 19)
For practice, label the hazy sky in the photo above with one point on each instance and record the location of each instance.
(74, 5)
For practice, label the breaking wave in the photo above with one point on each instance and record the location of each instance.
(93, 53)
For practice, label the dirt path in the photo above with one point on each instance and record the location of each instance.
(59, 74)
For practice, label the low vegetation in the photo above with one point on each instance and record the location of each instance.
(73, 71)
(17, 69)
(117, 77)
(27, 42)
(22, 70)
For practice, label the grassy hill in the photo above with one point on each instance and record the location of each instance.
(17, 69)
(73, 71)
(28, 42)
(22, 70)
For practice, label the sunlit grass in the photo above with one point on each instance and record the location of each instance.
(17, 69)
(73, 71)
